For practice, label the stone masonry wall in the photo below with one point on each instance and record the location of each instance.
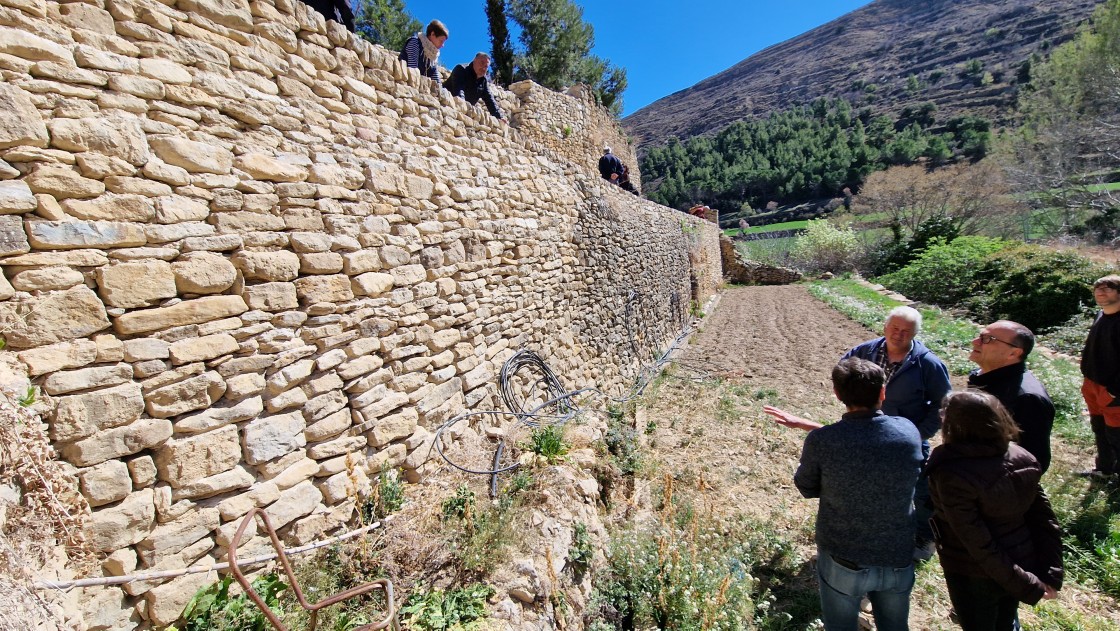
(250, 260)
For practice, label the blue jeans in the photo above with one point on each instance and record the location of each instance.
(842, 588)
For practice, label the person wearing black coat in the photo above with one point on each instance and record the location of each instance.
(998, 541)
(468, 82)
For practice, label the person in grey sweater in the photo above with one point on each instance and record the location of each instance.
(862, 469)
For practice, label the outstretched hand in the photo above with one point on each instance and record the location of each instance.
(781, 417)
(1049, 593)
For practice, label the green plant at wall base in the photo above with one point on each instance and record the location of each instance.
(567, 131)
(581, 552)
(460, 505)
(548, 442)
(213, 609)
(462, 609)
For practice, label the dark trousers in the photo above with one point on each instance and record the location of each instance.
(1108, 445)
(922, 508)
(981, 604)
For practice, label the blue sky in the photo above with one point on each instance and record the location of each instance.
(665, 46)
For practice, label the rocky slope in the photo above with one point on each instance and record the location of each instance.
(963, 55)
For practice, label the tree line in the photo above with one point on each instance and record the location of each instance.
(553, 46)
(804, 152)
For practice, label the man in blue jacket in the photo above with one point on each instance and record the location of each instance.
(917, 381)
(863, 469)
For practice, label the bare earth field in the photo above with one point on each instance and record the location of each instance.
(705, 428)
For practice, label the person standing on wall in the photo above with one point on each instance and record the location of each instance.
(998, 541)
(863, 468)
(917, 381)
(610, 167)
(1100, 365)
(421, 51)
(468, 82)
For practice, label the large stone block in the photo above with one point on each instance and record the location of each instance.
(232, 13)
(136, 284)
(194, 393)
(202, 348)
(294, 503)
(47, 279)
(213, 417)
(16, 198)
(87, 379)
(273, 436)
(60, 356)
(67, 235)
(177, 209)
(53, 317)
(271, 266)
(111, 207)
(203, 273)
(63, 183)
(105, 483)
(219, 483)
(117, 136)
(195, 311)
(393, 427)
(327, 288)
(372, 284)
(118, 441)
(264, 167)
(271, 296)
(166, 602)
(181, 461)
(124, 524)
(195, 157)
(20, 121)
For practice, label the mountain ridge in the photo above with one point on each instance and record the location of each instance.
(965, 56)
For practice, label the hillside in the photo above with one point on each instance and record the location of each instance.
(963, 55)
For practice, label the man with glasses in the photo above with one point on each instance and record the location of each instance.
(1000, 351)
(917, 381)
(1100, 365)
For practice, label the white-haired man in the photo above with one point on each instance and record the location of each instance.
(917, 381)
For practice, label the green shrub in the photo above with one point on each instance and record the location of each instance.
(548, 442)
(945, 273)
(1034, 286)
(460, 505)
(462, 608)
(213, 609)
(387, 497)
(825, 248)
(581, 552)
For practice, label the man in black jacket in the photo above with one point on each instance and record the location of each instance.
(1100, 365)
(1000, 350)
(468, 82)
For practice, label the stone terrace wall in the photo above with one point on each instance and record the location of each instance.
(251, 261)
(572, 126)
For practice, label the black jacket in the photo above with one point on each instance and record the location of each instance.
(991, 518)
(1026, 398)
(466, 84)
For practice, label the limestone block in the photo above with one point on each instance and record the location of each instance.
(117, 442)
(143, 471)
(158, 233)
(124, 524)
(325, 404)
(214, 417)
(63, 183)
(20, 121)
(110, 207)
(195, 311)
(290, 376)
(166, 602)
(359, 366)
(395, 256)
(145, 348)
(75, 258)
(335, 175)
(286, 400)
(336, 447)
(47, 279)
(87, 378)
(271, 296)
(166, 71)
(310, 242)
(99, 166)
(195, 157)
(393, 427)
(328, 288)
(217, 484)
(177, 209)
(202, 348)
(136, 284)
(53, 317)
(173, 537)
(60, 356)
(105, 483)
(320, 263)
(372, 284)
(480, 375)
(91, 57)
(360, 262)
(438, 395)
(181, 461)
(260, 166)
(346, 484)
(157, 169)
(241, 386)
(120, 563)
(232, 13)
(66, 235)
(323, 384)
(118, 136)
(301, 469)
(329, 427)
(140, 87)
(391, 457)
(13, 239)
(270, 437)
(203, 272)
(26, 45)
(185, 396)
(84, 16)
(270, 266)
(78, 416)
(16, 197)
(294, 503)
(385, 404)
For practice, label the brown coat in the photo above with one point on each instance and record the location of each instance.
(991, 518)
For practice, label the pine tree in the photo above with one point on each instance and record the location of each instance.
(384, 22)
(501, 49)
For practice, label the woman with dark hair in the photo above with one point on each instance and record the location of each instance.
(997, 538)
(421, 51)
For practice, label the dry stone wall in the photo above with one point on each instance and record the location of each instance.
(251, 261)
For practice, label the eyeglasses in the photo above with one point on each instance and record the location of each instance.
(988, 339)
